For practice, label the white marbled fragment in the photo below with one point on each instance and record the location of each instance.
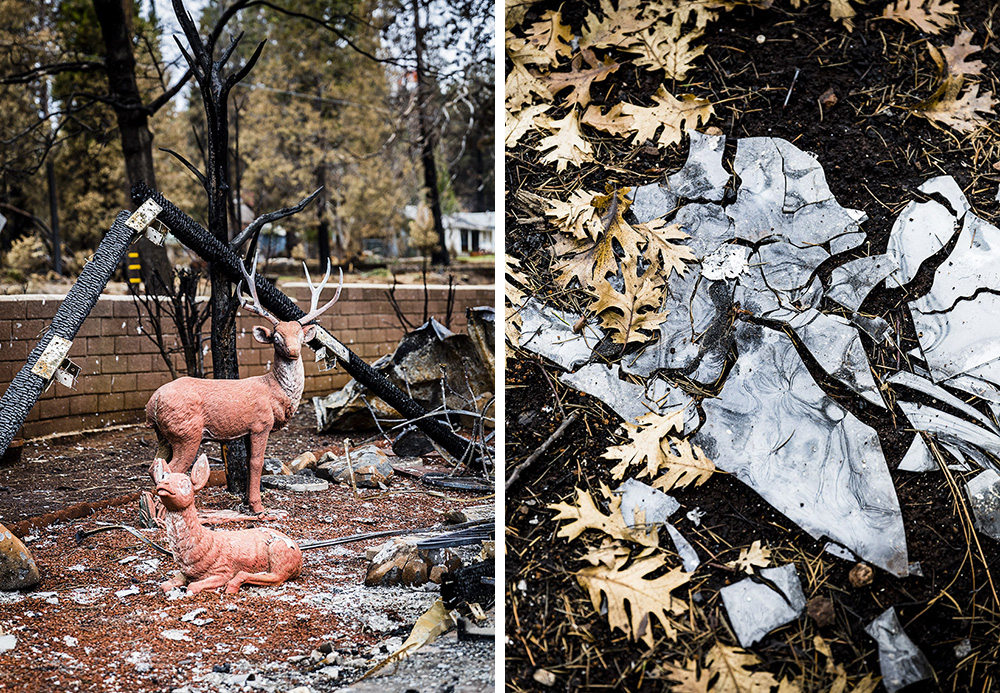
(702, 177)
(983, 492)
(918, 457)
(920, 230)
(900, 660)
(628, 400)
(851, 283)
(755, 609)
(549, 332)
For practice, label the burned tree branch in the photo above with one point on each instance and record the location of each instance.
(190, 167)
(257, 224)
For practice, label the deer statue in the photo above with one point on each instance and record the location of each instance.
(210, 559)
(188, 410)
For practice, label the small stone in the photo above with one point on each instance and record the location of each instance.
(436, 574)
(18, 570)
(274, 466)
(828, 99)
(820, 610)
(861, 575)
(544, 677)
(370, 464)
(307, 460)
(414, 573)
(761, 38)
(174, 634)
(7, 642)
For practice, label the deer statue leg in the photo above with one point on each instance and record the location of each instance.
(164, 450)
(208, 583)
(185, 451)
(258, 442)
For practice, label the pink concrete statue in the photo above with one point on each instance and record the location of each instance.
(188, 410)
(210, 559)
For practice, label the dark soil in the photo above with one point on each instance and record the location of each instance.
(874, 155)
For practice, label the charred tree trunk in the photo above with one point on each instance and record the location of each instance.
(426, 132)
(323, 225)
(133, 119)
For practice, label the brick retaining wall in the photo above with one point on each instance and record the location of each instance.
(122, 367)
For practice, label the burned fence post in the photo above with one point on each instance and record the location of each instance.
(28, 384)
(212, 250)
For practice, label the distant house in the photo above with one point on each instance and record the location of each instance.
(464, 232)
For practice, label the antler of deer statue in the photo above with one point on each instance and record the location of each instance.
(188, 410)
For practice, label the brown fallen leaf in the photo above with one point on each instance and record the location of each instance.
(959, 111)
(841, 11)
(666, 47)
(521, 88)
(518, 124)
(613, 122)
(577, 216)
(928, 16)
(647, 598)
(675, 463)
(586, 515)
(631, 315)
(672, 115)
(566, 144)
(579, 78)
(545, 42)
(954, 60)
(514, 281)
(752, 556)
(726, 670)
(514, 12)
(662, 238)
(613, 26)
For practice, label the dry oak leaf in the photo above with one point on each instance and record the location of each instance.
(577, 216)
(673, 115)
(954, 58)
(928, 16)
(672, 256)
(611, 554)
(520, 86)
(729, 666)
(961, 113)
(566, 144)
(514, 12)
(841, 11)
(520, 123)
(545, 41)
(617, 25)
(750, 556)
(681, 462)
(515, 295)
(646, 598)
(586, 515)
(631, 316)
(580, 78)
(613, 122)
(666, 47)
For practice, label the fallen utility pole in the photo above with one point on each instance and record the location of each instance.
(210, 249)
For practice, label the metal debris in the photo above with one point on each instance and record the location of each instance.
(755, 608)
(902, 663)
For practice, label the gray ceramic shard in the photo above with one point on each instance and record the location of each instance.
(779, 433)
(950, 429)
(983, 492)
(847, 241)
(902, 663)
(757, 212)
(920, 230)
(549, 332)
(702, 176)
(651, 202)
(839, 551)
(918, 457)
(948, 319)
(628, 400)
(786, 267)
(925, 386)
(975, 386)
(876, 328)
(727, 261)
(837, 348)
(752, 292)
(805, 181)
(639, 497)
(755, 609)
(707, 226)
(689, 557)
(851, 283)
(821, 223)
(949, 190)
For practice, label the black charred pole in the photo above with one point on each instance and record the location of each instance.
(215, 89)
(50, 171)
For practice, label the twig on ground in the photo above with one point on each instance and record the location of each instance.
(519, 469)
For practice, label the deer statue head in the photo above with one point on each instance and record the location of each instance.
(288, 337)
(176, 491)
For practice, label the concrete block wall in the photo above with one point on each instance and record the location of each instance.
(121, 366)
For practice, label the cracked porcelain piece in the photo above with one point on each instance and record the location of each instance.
(549, 332)
(755, 609)
(900, 660)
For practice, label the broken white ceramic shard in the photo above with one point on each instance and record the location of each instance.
(918, 457)
(786, 267)
(920, 230)
(851, 283)
(726, 262)
(927, 387)
(707, 226)
(949, 190)
(549, 332)
(948, 319)
(628, 400)
(876, 328)
(651, 202)
(900, 660)
(755, 609)
(776, 430)
(975, 385)
(836, 346)
(805, 181)
(638, 497)
(689, 557)
(757, 212)
(949, 428)
(839, 551)
(702, 176)
(983, 492)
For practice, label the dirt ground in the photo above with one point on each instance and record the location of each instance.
(100, 622)
(874, 155)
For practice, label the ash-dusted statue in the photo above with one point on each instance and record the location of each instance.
(188, 410)
(210, 559)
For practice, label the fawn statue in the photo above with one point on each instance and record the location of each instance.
(208, 559)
